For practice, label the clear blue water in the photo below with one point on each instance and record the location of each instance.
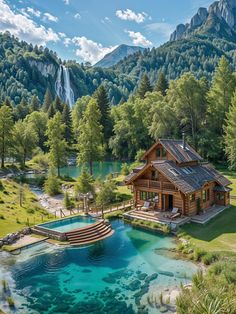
(69, 224)
(118, 275)
(100, 169)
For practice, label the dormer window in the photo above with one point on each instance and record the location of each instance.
(160, 152)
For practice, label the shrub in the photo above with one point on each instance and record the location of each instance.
(52, 185)
(67, 201)
(2, 217)
(198, 254)
(10, 301)
(166, 229)
(18, 221)
(125, 169)
(1, 185)
(30, 210)
(209, 258)
(5, 285)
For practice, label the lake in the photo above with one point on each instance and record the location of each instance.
(100, 169)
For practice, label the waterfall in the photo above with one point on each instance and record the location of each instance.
(63, 87)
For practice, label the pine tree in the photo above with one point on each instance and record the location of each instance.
(25, 140)
(219, 99)
(56, 142)
(162, 84)
(34, 106)
(57, 104)
(6, 127)
(90, 141)
(22, 110)
(8, 103)
(230, 134)
(47, 100)
(144, 86)
(67, 120)
(51, 111)
(104, 106)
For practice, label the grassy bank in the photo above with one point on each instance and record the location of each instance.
(218, 235)
(13, 216)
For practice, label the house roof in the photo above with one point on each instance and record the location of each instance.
(175, 148)
(187, 180)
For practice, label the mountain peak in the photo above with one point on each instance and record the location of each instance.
(117, 55)
(219, 20)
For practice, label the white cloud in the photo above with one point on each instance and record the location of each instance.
(67, 41)
(23, 27)
(138, 38)
(161, 28)
(62, 35)
(34, 12)
(77, 16)
(129, 15)
(49, 17)
(106, 20)
(67, 2)
(87, 49)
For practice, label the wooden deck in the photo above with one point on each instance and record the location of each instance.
(158, 217)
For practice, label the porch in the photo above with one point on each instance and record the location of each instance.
(163, 218)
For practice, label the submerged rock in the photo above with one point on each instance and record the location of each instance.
(151, 277)
(134, 285)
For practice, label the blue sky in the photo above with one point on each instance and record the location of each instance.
(85, 30)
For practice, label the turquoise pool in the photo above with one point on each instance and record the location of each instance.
(123, 274)
(68, 224)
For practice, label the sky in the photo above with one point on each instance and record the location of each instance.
(86, 30)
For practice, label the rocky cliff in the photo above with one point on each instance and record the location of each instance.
(218, 20)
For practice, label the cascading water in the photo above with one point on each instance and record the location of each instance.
(63, 87)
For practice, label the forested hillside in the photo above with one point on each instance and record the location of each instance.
(196, 54)
(27, 70)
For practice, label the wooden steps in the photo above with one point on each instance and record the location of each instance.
(144, 215)
(87, 235)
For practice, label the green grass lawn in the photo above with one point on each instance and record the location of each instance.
(218, 235)
(123, 189)
(231, 175)
(13, 217)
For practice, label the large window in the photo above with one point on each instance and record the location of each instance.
(146, 196)
(206, 195)
(220, 196)
(192, 197)
(155, 175)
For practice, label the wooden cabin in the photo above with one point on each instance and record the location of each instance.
(175, 176)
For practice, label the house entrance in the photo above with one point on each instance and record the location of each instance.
(167, 201)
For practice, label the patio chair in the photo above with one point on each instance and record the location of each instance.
(147, 206)
(174, 213)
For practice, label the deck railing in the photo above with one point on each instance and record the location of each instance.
(155, 184)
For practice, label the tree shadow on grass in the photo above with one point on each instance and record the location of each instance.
(222, 224)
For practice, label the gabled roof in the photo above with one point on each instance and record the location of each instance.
(190, 182)
(175, 148)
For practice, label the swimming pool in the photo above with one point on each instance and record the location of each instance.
(68, 224)
(122, 274)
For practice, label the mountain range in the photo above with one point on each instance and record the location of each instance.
(28, 70)
(117, 54)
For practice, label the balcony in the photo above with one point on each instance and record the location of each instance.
(155, 184)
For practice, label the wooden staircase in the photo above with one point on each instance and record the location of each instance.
(88, 235)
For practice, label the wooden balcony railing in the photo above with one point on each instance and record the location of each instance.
(155, 184)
